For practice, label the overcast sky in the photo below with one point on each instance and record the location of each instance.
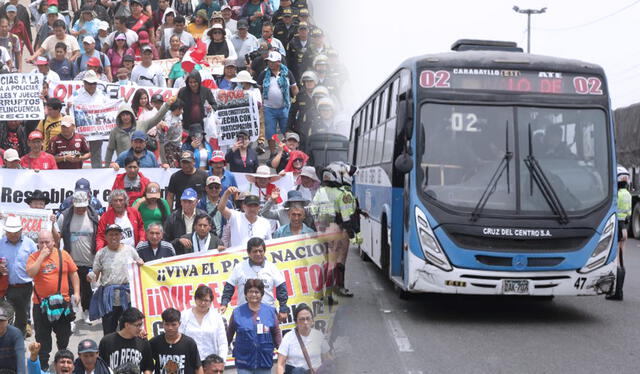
(374, 36)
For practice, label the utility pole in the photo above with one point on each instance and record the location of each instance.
(529, 12)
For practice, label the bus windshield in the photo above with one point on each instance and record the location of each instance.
(463, 146)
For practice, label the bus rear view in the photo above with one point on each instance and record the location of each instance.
(503, 179)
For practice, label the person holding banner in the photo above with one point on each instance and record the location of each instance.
(91, 94)
(258, 333)
(37, 159)
(205, 325)
(195, 96)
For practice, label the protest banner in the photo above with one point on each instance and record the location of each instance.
(235, 111)
(33, 220)
(20, 97)
(64, 90)
(95, 121)
(171, 282)
(17, 184)
(166, 65)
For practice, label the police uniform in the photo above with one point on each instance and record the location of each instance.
(624, 210)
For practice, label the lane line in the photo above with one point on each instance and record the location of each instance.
(398, 334)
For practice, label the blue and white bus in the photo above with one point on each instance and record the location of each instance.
(486, 170)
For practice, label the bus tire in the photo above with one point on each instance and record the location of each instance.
(402, 294)
(635, 221)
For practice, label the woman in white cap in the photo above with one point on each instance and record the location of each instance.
(86, 25)
(308, 182)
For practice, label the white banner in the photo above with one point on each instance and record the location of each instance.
(20, 97)
(33, 220)
(64, 90)
(57, 185)
(95, 121)
(236, 111)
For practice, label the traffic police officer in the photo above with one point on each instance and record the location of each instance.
(623, 214)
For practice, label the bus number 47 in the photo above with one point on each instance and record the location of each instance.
(579, 285)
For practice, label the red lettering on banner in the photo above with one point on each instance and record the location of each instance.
(317, 277)
(302, 278)
(126, 92)
(287, 278)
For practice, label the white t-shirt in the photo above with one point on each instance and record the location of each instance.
(150, 77)
(270, 275)
(127, 230)
(210, 336)
(242, 230)
(275, 99)
(315, 343)
(131, 36)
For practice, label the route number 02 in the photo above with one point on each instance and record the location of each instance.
(462, 122)
(437, 79)
(587, 86)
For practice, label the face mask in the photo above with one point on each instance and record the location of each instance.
(123, 82)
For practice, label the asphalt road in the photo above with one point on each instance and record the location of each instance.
(377, 332)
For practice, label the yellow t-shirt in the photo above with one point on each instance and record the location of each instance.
(50, 127)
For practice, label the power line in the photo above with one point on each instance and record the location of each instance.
(590, 22)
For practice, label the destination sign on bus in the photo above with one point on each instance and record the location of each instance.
(543, 82)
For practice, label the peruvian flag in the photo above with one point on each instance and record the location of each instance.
(194, 56)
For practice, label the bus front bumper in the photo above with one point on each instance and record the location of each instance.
(428, 278)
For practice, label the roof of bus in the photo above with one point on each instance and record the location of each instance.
(500, 59)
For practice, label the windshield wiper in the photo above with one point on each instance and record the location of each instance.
(493, 182)
(538, 176)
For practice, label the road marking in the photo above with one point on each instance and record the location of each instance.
(398, 334)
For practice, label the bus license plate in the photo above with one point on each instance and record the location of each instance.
(515, 286)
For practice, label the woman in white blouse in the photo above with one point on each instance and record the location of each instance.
(205, 325)
(290, 356)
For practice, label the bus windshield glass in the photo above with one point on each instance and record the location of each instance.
(463, 146)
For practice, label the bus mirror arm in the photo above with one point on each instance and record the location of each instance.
(404, 162)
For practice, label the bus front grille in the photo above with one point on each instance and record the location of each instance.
(498, 244)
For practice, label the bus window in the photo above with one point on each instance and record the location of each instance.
(393, 98)
(384, 104)
(365, 149)
(389, 140)
(376, 111)
(379, 144)
(372, 146)
(405, 80)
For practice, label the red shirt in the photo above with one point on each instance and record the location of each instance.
(44, 161)
(75, 146)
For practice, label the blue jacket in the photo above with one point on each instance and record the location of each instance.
(102, 300)
(207, 146)
(227, 180)
(149, 160)
(252, 350)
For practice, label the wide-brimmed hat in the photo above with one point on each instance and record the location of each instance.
(295, 196)
(37, 195)
(309, 172)
(13, 224)
(243, 77)
(90, 77)
(264, 172)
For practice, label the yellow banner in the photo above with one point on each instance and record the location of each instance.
(171, 282)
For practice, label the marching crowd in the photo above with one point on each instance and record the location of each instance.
(76, 273)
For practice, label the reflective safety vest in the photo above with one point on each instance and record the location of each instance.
(624, 204)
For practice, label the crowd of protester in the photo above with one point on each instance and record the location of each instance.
(75, 274)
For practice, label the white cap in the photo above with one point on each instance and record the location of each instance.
(11, 155)
(103, 25)
(80, 199)
(13, 224)
(90, 77)
(89, 39)
(274, 56)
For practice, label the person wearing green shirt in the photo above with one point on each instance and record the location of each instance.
(152, 207)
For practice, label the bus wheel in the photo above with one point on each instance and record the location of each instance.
(544, 298)
(402, 294)
(363, 255)
(635, 221)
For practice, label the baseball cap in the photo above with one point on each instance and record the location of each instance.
(93, 61)
(226, 6)
(153, 190)
(67, 121)
(292, 135)
(113, 226)
(128, 58)
(138, 135)
(90, 76)
(87, 345)
(217, 156)
(251, 200)
(157, 97)
(103, 25)
(52, 9)
(213, 179)
(83, 184)
(89, 39)
(189, 194)
(274, 56)
(242, 24)
(35, 135)
(243, 133)
(303, 25)
(13, 224)
(11, 155)
(187, 156)
(217, 15)
(42, 60)
(143, 37)
(4, 315)
(146, 48)
(11, 8)
(80, 199)
(121, 37)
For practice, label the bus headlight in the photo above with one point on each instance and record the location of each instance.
(602, 250)
(432, 251)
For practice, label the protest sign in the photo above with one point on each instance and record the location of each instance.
(17, 184)
(64, 90)
(95, 121)
(216, 64)
(235, 111)
(171, 282)
(33, 220)
(165, 65)
(20, 97)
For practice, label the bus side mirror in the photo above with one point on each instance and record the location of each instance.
(405, 114)
(403, 163)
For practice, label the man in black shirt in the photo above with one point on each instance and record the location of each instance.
(174, 352)
(188, 177)
(126, 345)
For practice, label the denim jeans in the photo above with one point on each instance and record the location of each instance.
(253, 371)
(274, 120)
